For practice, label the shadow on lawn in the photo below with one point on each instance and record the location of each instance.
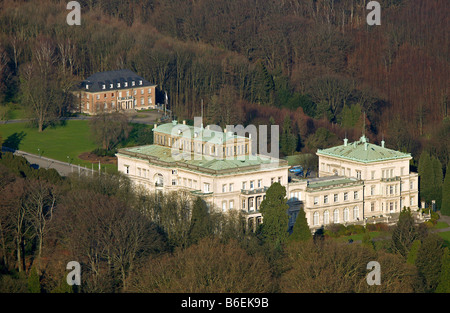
(14, 140)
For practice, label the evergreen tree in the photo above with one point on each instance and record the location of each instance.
(34, 284)
(445, 205)
(404, 233)
(63, 287)
(200, 222)
(412, 255)
(274, 211)
(437, 178)
(444, 281)
(288, 140)
(367, 241)
(301, 231)
(429, 262)
(425, 173)
(264, 85)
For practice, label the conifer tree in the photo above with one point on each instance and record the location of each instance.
(301, 231)
(412, 255)
(425, 173)
(429, 262)
(275, 217)
(445, 205)
(367, 241)
(288, 140)
(437, 178)
(404, 233)
(34, 285)
(200, 225)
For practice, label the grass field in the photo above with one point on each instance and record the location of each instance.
(446, 237)
(56, 143)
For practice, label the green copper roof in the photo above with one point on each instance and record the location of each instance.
(363, 151)
(196, 133)
(164, 156)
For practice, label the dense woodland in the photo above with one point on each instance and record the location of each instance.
(315, 66)
(129, 240)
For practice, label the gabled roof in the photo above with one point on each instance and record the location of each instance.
(363, 151)
(97, 81)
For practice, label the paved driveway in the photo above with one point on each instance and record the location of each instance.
(63, 168)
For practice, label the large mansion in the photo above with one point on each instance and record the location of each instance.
(111, 91)
(357, 180)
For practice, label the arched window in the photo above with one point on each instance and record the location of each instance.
(355, 213)
(316, 218)
(345, 215)
(159, 180)
(326, 217)
(336, 216)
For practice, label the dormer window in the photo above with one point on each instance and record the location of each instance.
(132, 83)
(111, 86)
(118, 85)
(140, 82)
(103, 86)
(126, 84)
(87, 87)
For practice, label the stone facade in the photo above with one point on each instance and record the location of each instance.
(356, 181)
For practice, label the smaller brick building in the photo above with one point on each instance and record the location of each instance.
(119, 90)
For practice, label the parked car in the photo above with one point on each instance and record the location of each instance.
(298, 170)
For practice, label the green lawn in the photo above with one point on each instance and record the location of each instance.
(440, 225)
(55, 143)
(446, 237)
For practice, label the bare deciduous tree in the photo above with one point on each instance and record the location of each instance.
(109, 129)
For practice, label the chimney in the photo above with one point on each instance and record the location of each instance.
(155, 125)
(345, 142)
(382, 143)
(184, 122)
(365, 146)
